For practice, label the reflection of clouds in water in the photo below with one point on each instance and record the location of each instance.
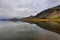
(17, 8)
(25, 31)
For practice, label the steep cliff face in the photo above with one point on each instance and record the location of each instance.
(50, 13)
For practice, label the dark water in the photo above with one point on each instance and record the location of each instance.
(51, 26)
(27, 31)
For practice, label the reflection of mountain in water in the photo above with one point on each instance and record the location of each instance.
(53, 17)
(51, 26)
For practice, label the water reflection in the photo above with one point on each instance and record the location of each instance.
(26, 31)
(49, 25)
(19, 31)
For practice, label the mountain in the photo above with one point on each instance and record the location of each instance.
(50, 13)
(42, 16)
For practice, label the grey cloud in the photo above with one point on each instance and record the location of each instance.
(25, 7)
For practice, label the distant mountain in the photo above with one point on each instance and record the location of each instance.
(4, 18)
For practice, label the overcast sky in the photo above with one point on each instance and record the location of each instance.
(23, 8)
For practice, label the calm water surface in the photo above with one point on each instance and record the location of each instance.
(25, 31)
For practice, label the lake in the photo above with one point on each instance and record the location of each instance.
(26, 31)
